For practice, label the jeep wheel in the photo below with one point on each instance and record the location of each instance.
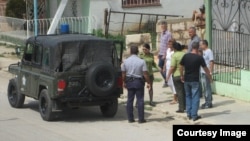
(45, 106)
(109, 109)
(101, 79)
(16, 99)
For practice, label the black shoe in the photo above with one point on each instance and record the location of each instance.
(189, 117)
(179, 111)
(131, 121)
(198, 117)
(204, 106)
(152, 104)
(142, 121)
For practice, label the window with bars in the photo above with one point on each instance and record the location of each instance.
(140, 3)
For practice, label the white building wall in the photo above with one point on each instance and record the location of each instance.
(168, 7)
(68, 12)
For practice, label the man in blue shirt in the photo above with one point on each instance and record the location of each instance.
(134, 74)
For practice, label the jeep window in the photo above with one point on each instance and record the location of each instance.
(37, 54)
(27, 57)
(45, 61)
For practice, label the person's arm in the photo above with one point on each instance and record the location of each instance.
(194, 14)
(154, 64)
(172, 68)
(208, 74)
(181, 73)
(211, 66)
(211, 62)
(146, 76)
(170, 72)
(124, 78)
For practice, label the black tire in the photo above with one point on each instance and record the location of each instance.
(45, 106)
(101, 79)
(16, 99)
(110, 109)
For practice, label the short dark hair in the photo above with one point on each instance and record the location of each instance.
(205, 42)
(146, 45)
(195, 45)
(134, 50)
(177, 46)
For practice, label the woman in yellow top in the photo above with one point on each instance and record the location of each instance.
(149, 59)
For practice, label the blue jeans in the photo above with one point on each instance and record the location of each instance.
(161, 65)
(192, 90)
(206, 89)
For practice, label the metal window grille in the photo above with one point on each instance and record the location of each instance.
(138, 3)
(230, 39)
(74, 8)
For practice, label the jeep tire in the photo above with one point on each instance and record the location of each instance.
(45, 106)
(16, 99)
(110, 109)
(101, 79)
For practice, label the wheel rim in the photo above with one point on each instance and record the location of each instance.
(44, 105)
(13, 95)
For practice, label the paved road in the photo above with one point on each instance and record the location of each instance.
(77, 125)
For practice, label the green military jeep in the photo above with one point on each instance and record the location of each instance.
(68, 70)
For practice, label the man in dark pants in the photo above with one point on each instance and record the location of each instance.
(192, 62)
(165, 37)
(134, 70)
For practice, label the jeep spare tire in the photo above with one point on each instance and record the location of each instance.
(101, 79)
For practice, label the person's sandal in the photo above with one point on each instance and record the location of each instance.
(173, 102)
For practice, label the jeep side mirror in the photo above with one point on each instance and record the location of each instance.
(18, 51)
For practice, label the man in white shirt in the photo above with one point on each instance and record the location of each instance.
(206, 85)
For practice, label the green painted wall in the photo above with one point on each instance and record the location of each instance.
(85, 7)
(241, 92)
(85, 13)
(208, 12)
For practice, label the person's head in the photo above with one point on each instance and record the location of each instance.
(203, 44)
(146, 48)
(202, 8)
(163, 25)
(192, 31)
(195, 47)
(170, 43)
(134, 50)
(177, 46)
(184, 46)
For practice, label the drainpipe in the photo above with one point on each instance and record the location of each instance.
(35, 16)
(57, 17)
(208, 12)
